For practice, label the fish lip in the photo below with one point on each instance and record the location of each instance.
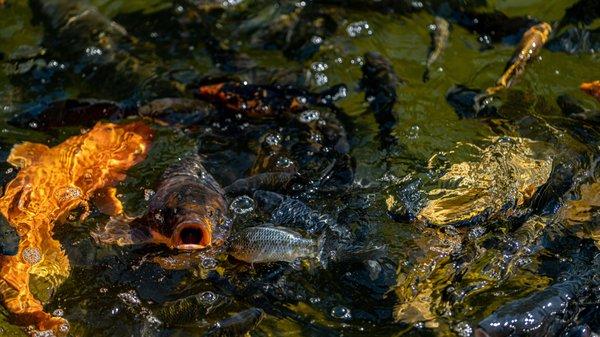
(205, 239)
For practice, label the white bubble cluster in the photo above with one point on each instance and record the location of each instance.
(358, 28)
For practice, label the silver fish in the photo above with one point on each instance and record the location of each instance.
(237, 325)
(262, 244)
(439, 39)
(189, 309)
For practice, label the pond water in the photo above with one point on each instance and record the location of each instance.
(448, 277)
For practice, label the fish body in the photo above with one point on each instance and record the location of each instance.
(592, 89)
(189, 309)
(289, 211)
(50, 183)
(263, 244)
(237, 325)
(188, 210)
(270, 101)
(545, 313)
(439, 39)
(530, 46)
(379, 81)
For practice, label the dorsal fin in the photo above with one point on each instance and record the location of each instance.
(24, 154)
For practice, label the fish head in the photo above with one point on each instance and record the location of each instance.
(197, 226)
(544, 29)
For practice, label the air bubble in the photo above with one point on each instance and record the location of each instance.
(148, 193)
(284, 162)
(359, 28)
(242, 205)
(209, 263)
(341, 312)
(321, 79)
(58, 313)
(207, 297)
(93, 51)
(316, 39)
(463, 329)
(319, 66)
(64, 328)
(273, 139)
(309, 116)
(32, 255)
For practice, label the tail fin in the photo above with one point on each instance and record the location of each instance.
(341, 251)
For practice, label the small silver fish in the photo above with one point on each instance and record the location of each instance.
(237, 325)
(262, 244)
(189, 309)
(439, 39)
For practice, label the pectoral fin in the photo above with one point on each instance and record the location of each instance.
(107, 202)
(122, 230)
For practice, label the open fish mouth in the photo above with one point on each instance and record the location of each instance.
(191, 236)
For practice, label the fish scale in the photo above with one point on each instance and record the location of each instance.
(271, 244)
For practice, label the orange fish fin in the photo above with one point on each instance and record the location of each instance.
(107, 202)
(24, 154)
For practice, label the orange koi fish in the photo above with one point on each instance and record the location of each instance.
(51, 182)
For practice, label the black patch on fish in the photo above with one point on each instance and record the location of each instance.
(70, 112)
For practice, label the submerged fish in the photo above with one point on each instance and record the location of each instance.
(439, 40)
(51, 182)
(545, 313)
(530, 46)
(254, 100)
(237, 325)
(189, 309)
(592, 89)
(379, 81)
(264, 244)
(188, 211)
(285, 210)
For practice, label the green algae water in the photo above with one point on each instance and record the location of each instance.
(452, 274)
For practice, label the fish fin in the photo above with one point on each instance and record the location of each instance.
(332, 251)
(122, 230)
(107, 202)
(24, 154)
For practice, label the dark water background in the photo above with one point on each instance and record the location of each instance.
(426, 126)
